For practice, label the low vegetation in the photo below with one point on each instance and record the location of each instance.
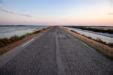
(110, 31)
(109, 44)
(98, 40)
(6, 41)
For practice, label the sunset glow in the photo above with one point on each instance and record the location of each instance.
(56, 12)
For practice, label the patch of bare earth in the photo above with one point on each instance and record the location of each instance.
(103, 48)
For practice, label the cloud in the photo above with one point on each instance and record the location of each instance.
(12, 12)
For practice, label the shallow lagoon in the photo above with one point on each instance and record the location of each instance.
(9, 31)
(94, 35)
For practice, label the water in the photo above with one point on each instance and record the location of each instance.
(9, 31)
(106, 34)
(94, 35)
(100, 33)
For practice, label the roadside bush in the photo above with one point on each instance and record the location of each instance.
(5, 41)
(36, 32)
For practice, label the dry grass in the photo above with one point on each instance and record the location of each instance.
(6, 41)
(99, 46)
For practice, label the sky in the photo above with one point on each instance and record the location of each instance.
(56, 12)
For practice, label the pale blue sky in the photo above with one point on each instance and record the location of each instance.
(54, 11)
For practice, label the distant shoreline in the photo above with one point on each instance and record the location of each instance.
(20, 25)
(102, 29)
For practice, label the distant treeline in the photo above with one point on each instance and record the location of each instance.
(110, 31)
